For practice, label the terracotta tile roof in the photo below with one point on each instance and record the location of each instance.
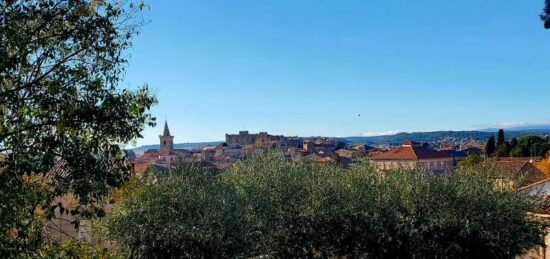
(148, 156)
(166, 152)
(344, 153)
(524, 171)
(409, 152)
(152, 155)
(472, 144)
(410, 143)
(518, 159)
(140, 168)
(543, 166)
(181, 150)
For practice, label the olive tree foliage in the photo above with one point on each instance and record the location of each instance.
(61, 62)
(269, 206)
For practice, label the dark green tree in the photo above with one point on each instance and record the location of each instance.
(490, 147)
(500, 138)
(536, 145)
(519, 151)
(531, 140)
(61, 62)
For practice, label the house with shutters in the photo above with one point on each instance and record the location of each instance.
(413, 155)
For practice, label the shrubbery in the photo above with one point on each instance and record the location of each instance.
(271, 206)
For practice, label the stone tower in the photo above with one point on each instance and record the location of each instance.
(166, 140)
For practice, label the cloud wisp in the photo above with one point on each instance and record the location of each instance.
(380, 133)
(511, 125)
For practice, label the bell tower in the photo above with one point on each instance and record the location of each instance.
(166, 140)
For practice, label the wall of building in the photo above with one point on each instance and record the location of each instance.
(436, 164)
(426, 164)
(539, 252)
(394, 164)
(259, 140)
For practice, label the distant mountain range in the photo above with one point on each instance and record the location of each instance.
(397, 139)
(438, 136)
(530, 127)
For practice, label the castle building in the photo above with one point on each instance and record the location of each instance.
(261, 139)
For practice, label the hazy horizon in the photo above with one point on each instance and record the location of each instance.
(505, 126)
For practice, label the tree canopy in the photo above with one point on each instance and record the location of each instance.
(523, 146)
(270, 206)
(62, 113)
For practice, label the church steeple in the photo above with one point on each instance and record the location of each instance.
(166, 140)
(166, 130)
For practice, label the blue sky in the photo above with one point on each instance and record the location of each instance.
(310, 67)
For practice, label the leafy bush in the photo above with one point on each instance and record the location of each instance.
(75, 249)
(274, 207)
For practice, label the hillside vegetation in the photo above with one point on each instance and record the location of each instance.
(437, 136)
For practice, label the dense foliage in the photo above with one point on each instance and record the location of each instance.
(60, 108)
(271, 206)
(524, 146)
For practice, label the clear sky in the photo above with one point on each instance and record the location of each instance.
(310, 67)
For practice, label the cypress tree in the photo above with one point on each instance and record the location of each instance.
(500, 138)
(490, 146)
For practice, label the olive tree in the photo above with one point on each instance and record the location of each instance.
(269, 206)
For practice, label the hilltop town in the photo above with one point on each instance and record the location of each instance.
(444, 157)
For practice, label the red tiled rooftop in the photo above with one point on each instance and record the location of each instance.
(528, 173)
(140, 168)
(409, 152)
